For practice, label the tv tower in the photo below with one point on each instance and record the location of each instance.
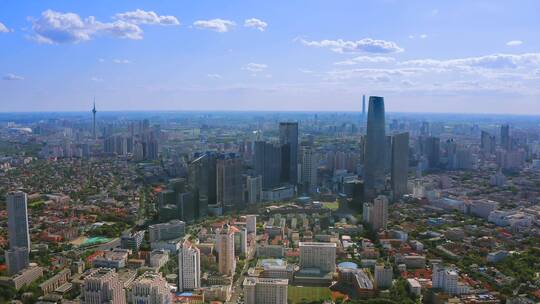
(94, 117)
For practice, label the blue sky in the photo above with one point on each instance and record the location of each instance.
(423, 56)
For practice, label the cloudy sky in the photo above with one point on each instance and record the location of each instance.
(422, 56)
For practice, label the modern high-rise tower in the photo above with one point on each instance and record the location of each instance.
(94, 119)
(374, 178)
(189, 267)
(288, 138)
(18, 220)
(505, 137)
(400, 164)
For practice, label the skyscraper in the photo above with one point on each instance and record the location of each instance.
(202, 178)
(288, 138)
(505, 137)
(374, 178)
(268, 163)
(103, 286)
(189, 267)
(309, 167)
(18, 220)
(400, 164)
(225, 248)
(431, 147)
(230, 186)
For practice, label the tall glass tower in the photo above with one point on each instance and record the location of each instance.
(374, 177)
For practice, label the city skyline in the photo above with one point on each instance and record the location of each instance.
(170, 57)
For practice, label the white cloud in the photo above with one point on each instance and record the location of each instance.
(216, 25)
(4, 29)
(101, 60)
(121, 61)
(255, 67)
(366, 59)
(423, 36)
(12, 77)
(381, 75)
(366, 45)
(214, 76)
(146, 17)
(54, 27)
(96, 79)
(495, 61)
(256, 23)
(514, 43)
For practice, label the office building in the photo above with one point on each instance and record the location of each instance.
(400, 164)
(166, 231)
(150, 288)
(505, 137)
(17, 256)
(253, 191)
(431, 150)
(230, 186)
(17, 210)
(189, 267)
(102, 286)
(379, 216)
(225, 248)
(267, 163)
(383, 276)
(288, 139)
(265, 290)
(318, 255)
(487, 143)
(202, 178)
(374, 177)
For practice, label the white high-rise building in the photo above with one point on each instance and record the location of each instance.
(318, 255)
(265, 291)
(383, 276)
(225, 248)
(379, 218)
(447, 280)
(189, 267)
(150, 288)
(251, 223)
(102, 286)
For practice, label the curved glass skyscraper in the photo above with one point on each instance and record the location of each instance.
(374, 177)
